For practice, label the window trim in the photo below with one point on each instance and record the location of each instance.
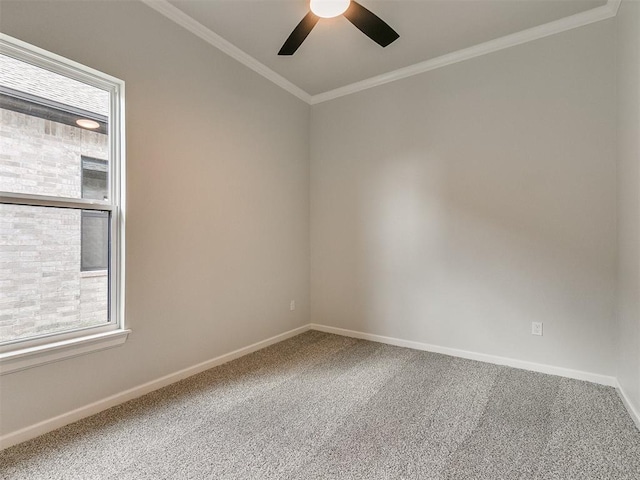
(35, 351)
(53, 351)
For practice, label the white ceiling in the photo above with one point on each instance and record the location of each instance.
(336, 54)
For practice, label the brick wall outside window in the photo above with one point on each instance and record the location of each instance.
(41, 286)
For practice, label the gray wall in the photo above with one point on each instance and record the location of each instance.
(458, 206)
(217, 192)
(628, 54)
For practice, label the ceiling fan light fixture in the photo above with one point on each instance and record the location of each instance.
(364, 20)
(329, 8)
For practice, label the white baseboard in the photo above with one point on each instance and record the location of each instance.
(635, 414)
(482, 357)
(46, 426)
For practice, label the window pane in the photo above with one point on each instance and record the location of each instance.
(41, 143)
(95, 240)
(94, 179)
(42, 288)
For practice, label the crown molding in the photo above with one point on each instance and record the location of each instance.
(557, 26)
(212, 38)
(609, 10)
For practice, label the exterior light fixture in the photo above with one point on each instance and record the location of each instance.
(329, 8)
(86, 123)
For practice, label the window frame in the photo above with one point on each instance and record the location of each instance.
(25, 353)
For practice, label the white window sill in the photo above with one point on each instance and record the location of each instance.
(33, 356)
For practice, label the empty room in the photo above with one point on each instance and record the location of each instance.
(326, 239)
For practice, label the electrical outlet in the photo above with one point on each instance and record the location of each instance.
(536, 328)
(292, 305)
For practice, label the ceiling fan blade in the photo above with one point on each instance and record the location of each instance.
(370, 24)
(299, 34)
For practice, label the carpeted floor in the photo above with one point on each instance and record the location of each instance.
(321, 406)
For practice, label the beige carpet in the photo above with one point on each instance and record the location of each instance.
(323, 406)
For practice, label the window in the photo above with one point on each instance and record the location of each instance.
(94, 237)
(61, 208)
(95, 178)
(95, 224)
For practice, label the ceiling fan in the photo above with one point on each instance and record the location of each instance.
(366, 21)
